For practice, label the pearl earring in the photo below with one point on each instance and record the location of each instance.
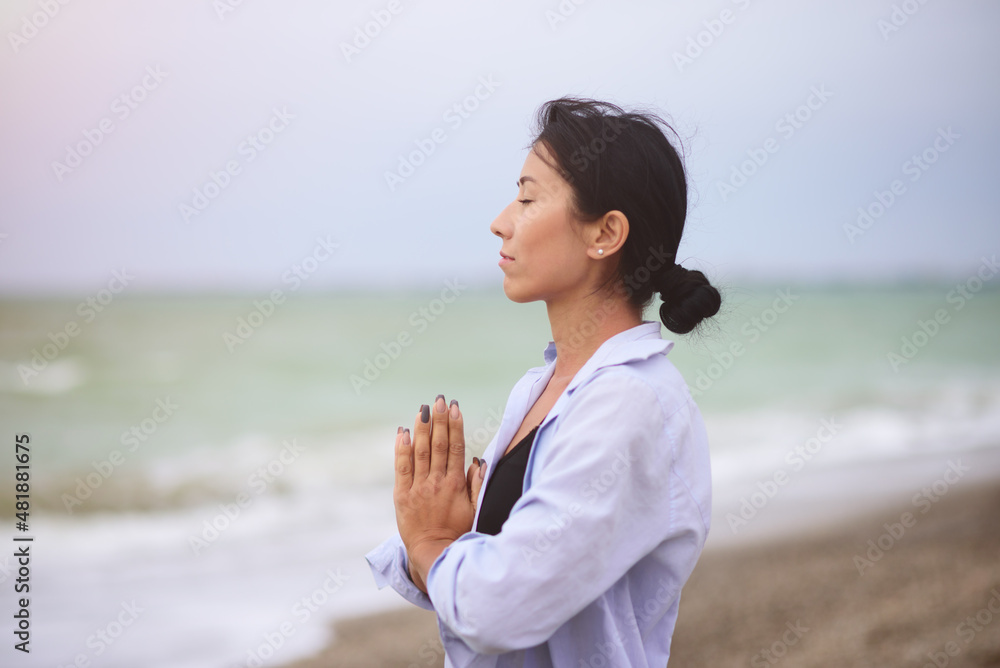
(600, 251)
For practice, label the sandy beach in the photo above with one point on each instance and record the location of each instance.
(908, 584)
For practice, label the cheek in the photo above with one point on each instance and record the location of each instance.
(553, 252)
(545, 229)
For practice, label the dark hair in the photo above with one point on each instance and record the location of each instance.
(618, 160)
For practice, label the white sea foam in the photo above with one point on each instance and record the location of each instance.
(212, 608)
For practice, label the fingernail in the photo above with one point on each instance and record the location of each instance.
(399, 430)
(439, 404)
(454, 409)
(406, 437)
(475, 460)
(425, 413)
(482, 469)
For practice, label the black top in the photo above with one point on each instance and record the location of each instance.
(504, 486)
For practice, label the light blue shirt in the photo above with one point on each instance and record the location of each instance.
(588, 568)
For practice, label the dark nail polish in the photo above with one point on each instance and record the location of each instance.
(453, 402)
(399, 430)
(425, 413)
(475, 460)
(440, 396)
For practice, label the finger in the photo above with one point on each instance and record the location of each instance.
(422, 443)
(439, 437)
(403, 461)
(477, 475)
(456, 439)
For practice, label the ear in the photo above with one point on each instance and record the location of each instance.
(608, 234)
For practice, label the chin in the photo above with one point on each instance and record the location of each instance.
(514, 294)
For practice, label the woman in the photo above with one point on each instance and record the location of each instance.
(569, 542)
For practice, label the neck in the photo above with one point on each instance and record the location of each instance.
(580, 326)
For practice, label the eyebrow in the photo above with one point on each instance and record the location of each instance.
(525, 178)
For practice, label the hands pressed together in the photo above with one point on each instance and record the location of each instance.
(434, 495)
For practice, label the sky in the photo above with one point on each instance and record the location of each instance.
(215, 146)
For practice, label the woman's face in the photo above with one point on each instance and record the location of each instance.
(543, 254)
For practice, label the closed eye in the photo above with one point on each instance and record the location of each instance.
(524, 201)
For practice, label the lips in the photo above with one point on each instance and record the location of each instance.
(505, 256)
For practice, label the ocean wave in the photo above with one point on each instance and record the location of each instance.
(198, 477)
(904, 422)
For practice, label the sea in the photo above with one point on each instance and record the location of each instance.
(207, 472)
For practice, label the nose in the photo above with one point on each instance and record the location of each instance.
(501, 224)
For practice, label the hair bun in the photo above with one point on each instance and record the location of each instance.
(688, 298)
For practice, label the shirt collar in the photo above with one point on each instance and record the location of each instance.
(636, 343)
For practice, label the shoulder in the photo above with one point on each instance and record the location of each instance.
(651, 382)
(643, 406)
(633, 405)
